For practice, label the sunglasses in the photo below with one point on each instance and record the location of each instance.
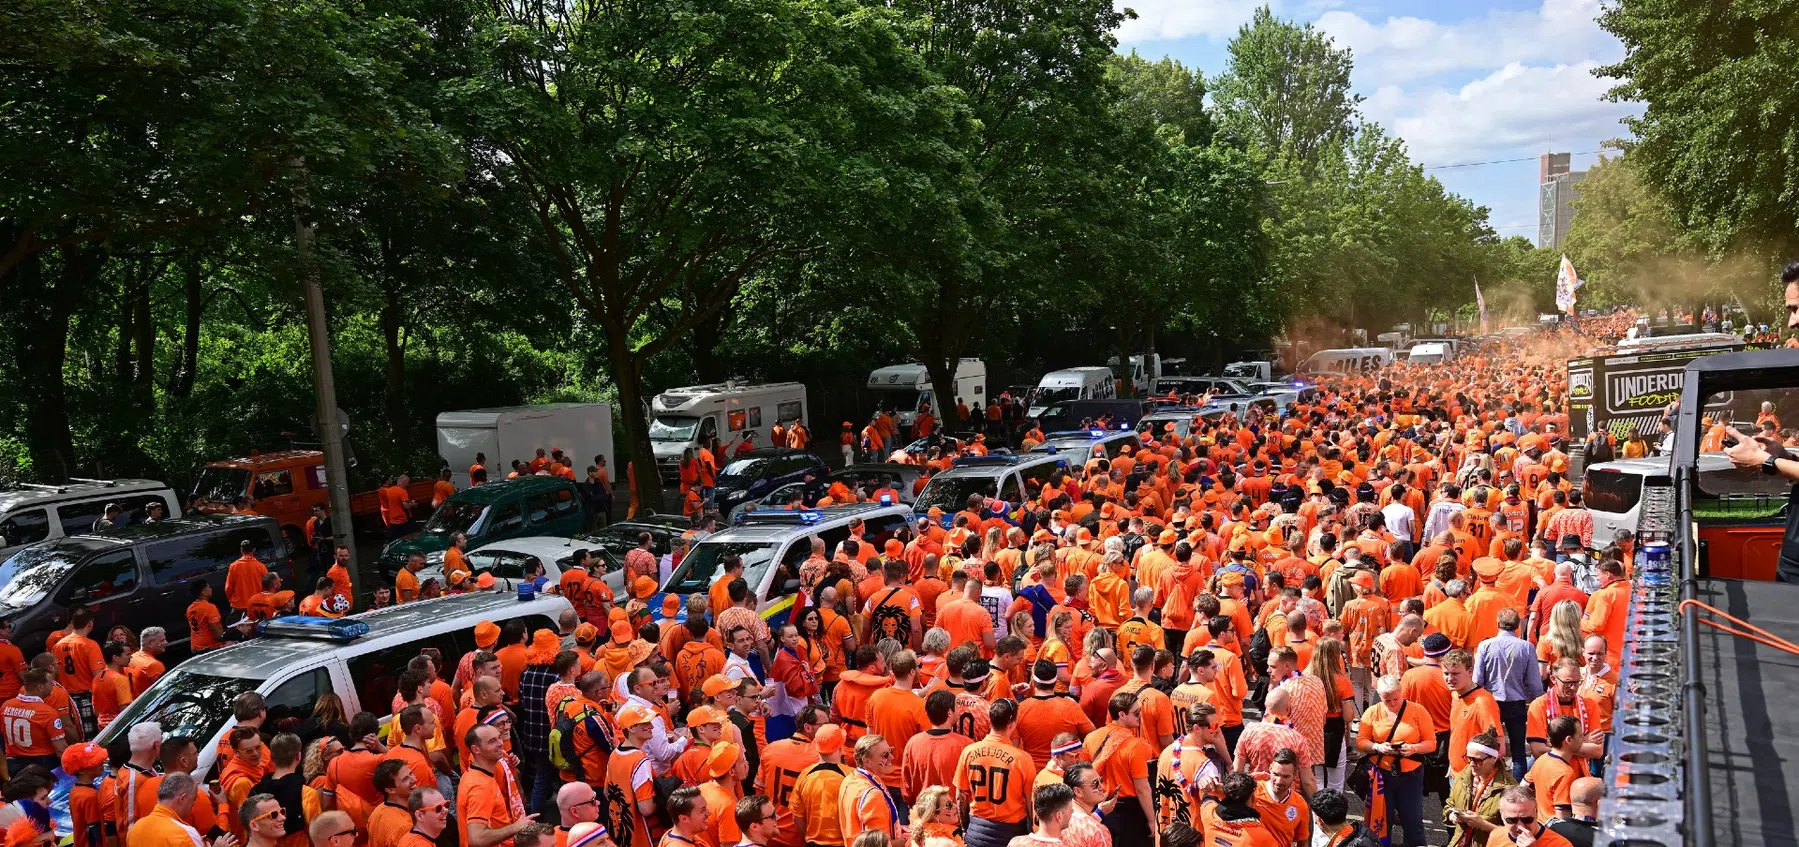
(1520, 821)
(351, 832)
(272, 813)
(445, 806)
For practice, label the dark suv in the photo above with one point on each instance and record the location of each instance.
(136, 576)
(750, 476)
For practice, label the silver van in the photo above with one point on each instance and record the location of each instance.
(309, 658)
(31, 513)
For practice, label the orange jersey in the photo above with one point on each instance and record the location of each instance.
(78, 663)
(31, 725)
(996, 776)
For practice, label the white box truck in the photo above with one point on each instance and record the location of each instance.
(1092, 383)
(904, 388)
(687, 417)
(580, 430)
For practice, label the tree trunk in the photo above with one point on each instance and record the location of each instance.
(143, 342)
(646, 481)
(187, 360)
(40, 354)
(393, 320)
(708, 366)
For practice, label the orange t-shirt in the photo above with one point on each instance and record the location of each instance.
(1041, 718)
(201, 616)
(898, 714)
(78, 662)
(393, 507)
(1120, 756)
(112, 693)
(996, 776)
(243, 580)
(778, 772)
(31, 724)
(388, 824)
(480, 798)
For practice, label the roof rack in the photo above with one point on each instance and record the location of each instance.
(109, 483)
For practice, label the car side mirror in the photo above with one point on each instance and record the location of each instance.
(790, 586)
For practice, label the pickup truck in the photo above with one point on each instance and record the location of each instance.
(285, 485)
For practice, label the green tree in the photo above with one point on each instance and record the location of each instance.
(1719, 106)
(672, 152)
(1163, 93)
(1285, 92)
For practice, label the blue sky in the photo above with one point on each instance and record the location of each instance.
(1460, 82)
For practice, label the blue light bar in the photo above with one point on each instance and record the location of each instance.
(1097, 433)
(783, 516)
(330, 629)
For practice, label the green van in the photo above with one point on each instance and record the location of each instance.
(512, 508)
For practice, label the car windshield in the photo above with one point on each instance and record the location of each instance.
(744, 469)
(28, 576)
(1045, 396)
(222, 485)
(194, 705)
(455, 516)
(951, 493)
(613, 542)
(673, 428)
(694, 574)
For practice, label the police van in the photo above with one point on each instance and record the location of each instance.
(1080, 445)
(1009, 478)
(297, 660)
(773, 543)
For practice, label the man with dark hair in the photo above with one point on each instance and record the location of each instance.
(756, 819)
(1284, 811)
(1233, 819)
(931, 756)
(995, 776)
(1330, 810)
(391, 820)
(1124, 760)
(1046, 714)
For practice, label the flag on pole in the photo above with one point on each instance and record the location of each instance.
(1566, 282)
(1481, 301)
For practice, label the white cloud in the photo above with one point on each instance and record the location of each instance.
(1516, 108)
(1407, 48)
(1164, 20)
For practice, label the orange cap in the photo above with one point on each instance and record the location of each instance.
(894, 547)
(484, 582)
(622, 631)
(634, 715)
(829, 739)
(643, 587)
(723, 757)
(1488, 568)
(717, 684)
(1167, 538)
(703, 715)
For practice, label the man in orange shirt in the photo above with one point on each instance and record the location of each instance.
(482, 811)
(1522, 821)
(244, 578)
(778, 771)
(34, 730)
(1608, 608)
(395, 503)
(1283, 809)
(1124, 761)
(79, 661)
(1553, 773)
(1046, 714)
(814, 799)
(994, 777)
(1451, 616)
(930, 757)
(849, 704)
(864, 804)
(1472, 711)
(896, 711)
(112, 688)
(391, 820)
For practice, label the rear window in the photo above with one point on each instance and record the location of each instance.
(1611, 491)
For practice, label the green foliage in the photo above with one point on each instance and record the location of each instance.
(1717, 136)
(1285, 93)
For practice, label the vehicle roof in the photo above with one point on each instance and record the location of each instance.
(912, 370)
(1082, 371)
(664, 522)
(1652, 465)
(830, 517)
(997, 468)
(1350, 351)
(273, 459)
(494, 492)
(881, 467)
(262, 658)
(770, 453)
(165, 529)
(480, 417)
(33, 495)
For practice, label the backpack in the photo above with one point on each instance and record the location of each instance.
(891, 621)
(563, 755)
(1339, 590)
(1178, 612)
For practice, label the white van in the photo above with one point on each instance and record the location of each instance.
(298, 660)
(689, 417)
(1347, 360)
(1431, 353)
(32, 513)
(1072, 384)
(904, 388)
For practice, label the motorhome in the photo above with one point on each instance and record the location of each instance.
(907, 388)
(682, 418)
(1093, 383)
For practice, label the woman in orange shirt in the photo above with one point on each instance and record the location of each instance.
(1396, 735)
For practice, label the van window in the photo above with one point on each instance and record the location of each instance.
(564, 504)
(315, 477)
(1037, 476)
(181, 559)
(25, 527)
(377, 672)
(277, 483)
(79, 518)
(1611, 491)
(110, 574)
(1009, 491)
(755, 416)
(787, 411)
(291, 703)
(507, 518)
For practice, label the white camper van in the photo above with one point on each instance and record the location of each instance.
(905, 388)
(1347, 360)
(687, 417)
(1072, 384)
(581, 430)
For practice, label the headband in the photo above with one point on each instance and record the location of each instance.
(1477, 747)
(495, 716)
(981, 678)
(1049, 680)
(597, 833)
(1066, 748)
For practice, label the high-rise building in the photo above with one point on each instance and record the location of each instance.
(1557, 188)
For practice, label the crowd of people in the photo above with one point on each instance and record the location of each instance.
(1337, 625)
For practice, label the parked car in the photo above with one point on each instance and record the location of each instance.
(510, 508)
(137, 575)
(865, 475)
(33, 513)
(750, 476)
(1009, 478)
(509, 560)
(295, 663)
